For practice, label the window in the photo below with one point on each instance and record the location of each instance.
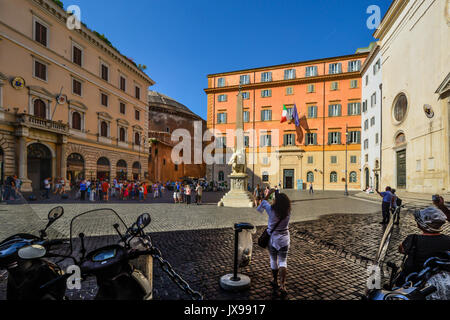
(244, 79)
(137, 92)
(311, 71)
(310, 177)
(334, 110)
(265, 160)
(377, 67)
(122, 134)
(266, 115)
(266, 76)
(290, 112)
(373, 100)
(105, 72)
(364, 106)
(289, 91)
(221, 176)
(266, 140)
(221, 82)
(77, 55)
(312, 111)
(333, 159)
(265, 176)
(335, 68)
(353, 177)
(289, 139)
(366, 158)
(377, 138)
(400, 107)
(353, 84)
(104, 129)
(334, 138)
(176, 167)
(76, 87)
(137, 114)
(266, 93)
(104, 99)
(367, 80)
(40, 70)
(353, 159)
(372, 121)
(334, 85)
(333, 177)
(122, 108)
(221, 142)
(354, 137)
(366, 124)
(222, 98)
(123, 83)
(245, 95)
(137, 139)
(40, 33)
(366, 144)
(289, 74)
(354, 66)
(246, 141)
(311, 139)
(354, 108)
(311, 88)
(221, 118)
(168, 130)
(246, 116)
(40, 109)
(310, 159)
(76, 120)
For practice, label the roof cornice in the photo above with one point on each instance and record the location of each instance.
(389, 18)
(370, 58)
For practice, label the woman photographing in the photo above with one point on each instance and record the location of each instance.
(279, 213)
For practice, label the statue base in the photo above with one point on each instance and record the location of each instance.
(238, 197)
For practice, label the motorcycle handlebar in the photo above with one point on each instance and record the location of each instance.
(428, 290)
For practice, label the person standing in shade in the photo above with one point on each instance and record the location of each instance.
(279, 213)
(199, 191)
(188, 194)
(47, 187)
(257, 195)
(386, 205)
(83, 188)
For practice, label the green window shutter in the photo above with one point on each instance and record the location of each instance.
(358, 137)
(262, 115)
(358, 108)
(315, 138)
(349, 110)
(339, 138)
(339, 110)
(270, 115)
(329, 137)
(329, 110)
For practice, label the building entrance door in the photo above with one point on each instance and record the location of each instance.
(367, 177)
(401, 169)
(377, 182)
(288, 178)
(39, 166)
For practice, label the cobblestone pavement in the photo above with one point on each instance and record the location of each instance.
(332, 241)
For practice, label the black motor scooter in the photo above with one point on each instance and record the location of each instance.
(23, 256)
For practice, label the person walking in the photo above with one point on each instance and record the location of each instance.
(386, 205)
(176, 192)
(9, 188)
(257, 195)
(311, 189)
(199, 191)
(47, 187)
(279, 213)
(105, 190)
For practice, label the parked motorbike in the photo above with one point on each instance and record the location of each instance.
(23, 255)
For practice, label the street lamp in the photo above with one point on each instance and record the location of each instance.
(346, 160)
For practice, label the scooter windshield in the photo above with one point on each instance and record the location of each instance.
(95, 229)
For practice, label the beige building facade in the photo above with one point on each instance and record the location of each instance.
(415, 51)
(71, 105)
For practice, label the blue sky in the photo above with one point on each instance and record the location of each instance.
(182, 41)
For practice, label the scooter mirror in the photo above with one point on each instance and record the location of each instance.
(55, 214)
(34, 251)
(143, 221)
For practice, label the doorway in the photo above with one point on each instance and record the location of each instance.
(367, 178)
(401, 169)
(39, 166)
(288, 178)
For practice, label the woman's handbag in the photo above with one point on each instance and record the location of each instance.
(264, 238)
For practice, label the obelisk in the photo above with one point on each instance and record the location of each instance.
(238, 197)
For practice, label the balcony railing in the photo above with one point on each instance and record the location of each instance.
(44, 124)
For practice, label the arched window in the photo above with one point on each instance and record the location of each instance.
(353, 177)
(137, 139)
(221, 176)
(400, 107)
(76, 120)
(104, 129)
(103, 161)
(122, 134)
(333, 177)
(310, 177)
(40, 109)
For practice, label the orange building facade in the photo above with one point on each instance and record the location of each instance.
(327, 95)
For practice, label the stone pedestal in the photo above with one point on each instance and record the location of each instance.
(238, 197)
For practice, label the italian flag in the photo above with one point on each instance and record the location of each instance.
(284, 115)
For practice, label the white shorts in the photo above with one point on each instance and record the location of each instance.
(176, 195)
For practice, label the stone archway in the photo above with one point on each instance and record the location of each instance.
(103, 169)
(39, 165)
(75, 168)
